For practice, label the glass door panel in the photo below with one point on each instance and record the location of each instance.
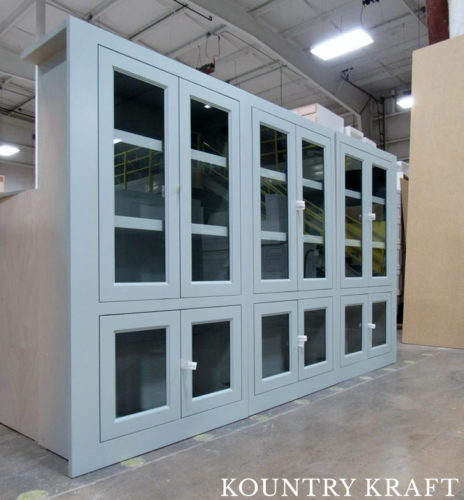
(275, 345)
(314, 223)
(274, 194)
(274, 203)
(209, 192)
(379, 224)
(353, 217)
(138, 212)
(381, 326)
(315, 337)
(139, 371)
(211, 358)
(354, 318)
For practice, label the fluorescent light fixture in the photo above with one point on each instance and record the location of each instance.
(7, 150)
(207, 106)
(342, 44)
(405, 102)
(115, 141)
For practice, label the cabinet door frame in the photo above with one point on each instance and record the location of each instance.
(110, 426)
(344, 150)
(304, 305)
(281, 379)
(329, 212)
(274, 285)
(110, 61)
(190, 405)
(385, 348)
(390, 240)
(353, 300)
(232, 286)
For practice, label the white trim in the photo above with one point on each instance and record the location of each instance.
(310, 238)
(378, 200)
(353, 194)
(352, 243)
(312, 184)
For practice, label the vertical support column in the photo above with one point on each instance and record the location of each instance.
(40, 18)
(437, 20)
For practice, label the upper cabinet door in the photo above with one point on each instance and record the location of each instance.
(381, 216)
(138, 178)
(209, 192)
(315, 223)
(274, 203)
(353, 194)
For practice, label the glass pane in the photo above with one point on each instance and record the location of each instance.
(139, 180)
(211, 350)
(315, 330)
(210, 192)
(353, 217)
(379, 231)
(140, 371)
(275, 344)
(274, 204)
(353, 329)
(379, 318)
(314, 215)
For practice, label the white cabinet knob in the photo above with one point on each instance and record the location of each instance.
(300, 205)
(188, 365)
(370, 216)
(371, 326)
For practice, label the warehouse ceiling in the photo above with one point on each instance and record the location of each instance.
(261, 46)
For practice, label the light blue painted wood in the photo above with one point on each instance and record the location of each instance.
(95, 300)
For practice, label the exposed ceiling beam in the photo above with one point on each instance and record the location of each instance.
(100, 9)
(11, 64)
(414, 8)
(318, 74)
(265, 7)
(182, 48)
(147, 27)
(13, 18)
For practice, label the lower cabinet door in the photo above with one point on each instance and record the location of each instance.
(315, 336)
(139, 371)
(211, 358)
(380, 327)
(276, 361)
(354, 319)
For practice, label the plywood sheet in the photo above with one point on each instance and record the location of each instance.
(434, 289)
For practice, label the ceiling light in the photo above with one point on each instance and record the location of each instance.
(405, 102)
(7, 150)
(342, 44)
(115, 141)
(207, 106)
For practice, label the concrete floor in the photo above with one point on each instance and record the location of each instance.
(402, 422)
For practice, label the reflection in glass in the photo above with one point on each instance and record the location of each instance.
(275, 331)
(211, 352)
(379, 318)
(379, 208)
(314, 215)
(315, 330)
(140, 371)
(353, 329)
(274, 204)
(210, 192)
(353, 217)
(139, 181)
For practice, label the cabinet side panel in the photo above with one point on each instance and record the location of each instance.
(34, 298)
